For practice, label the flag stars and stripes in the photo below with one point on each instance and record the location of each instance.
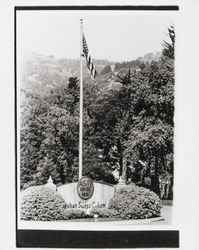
(90, 65)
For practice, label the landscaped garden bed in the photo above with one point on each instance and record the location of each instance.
(131, 202)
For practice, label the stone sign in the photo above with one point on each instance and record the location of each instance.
(100, 194)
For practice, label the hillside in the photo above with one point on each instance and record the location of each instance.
(42, 73)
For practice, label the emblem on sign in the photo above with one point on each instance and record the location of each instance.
(85, 188)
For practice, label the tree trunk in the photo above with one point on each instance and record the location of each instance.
(119, 149)
(155, 180)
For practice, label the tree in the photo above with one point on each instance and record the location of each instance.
(109, 122)
(134, 123)
(95, 167)
(94, 164)
(30, 139)
(169, 47)
(49, 136)
(151, 146)
(130, 126)
(151, 136)
(106, 69)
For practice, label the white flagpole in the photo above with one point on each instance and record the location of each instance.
(81, 102)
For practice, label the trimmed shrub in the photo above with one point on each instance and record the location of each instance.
(104, 213)
(133, 202)
(75, 214)
(42, 204)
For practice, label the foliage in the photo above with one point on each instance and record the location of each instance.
(168, 48)
(151, 136)
(105, 213)
(151, 146)
(109, 125)
(127, 124)
(74, 214)
(49, 136)
(132, 202)
(131, 64)
(94, 164)
(41, 204)
(106, 69)
(129, 121)
(95, 167)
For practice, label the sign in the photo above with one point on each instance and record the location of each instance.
(85, 206)
(102, 194)
(85, 188)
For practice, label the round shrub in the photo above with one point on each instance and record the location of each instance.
(133, 202)
(104, 212)
(42, 204)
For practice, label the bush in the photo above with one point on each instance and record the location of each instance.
(42, 204)
(133, 202)
(75, 214)
(104, 213)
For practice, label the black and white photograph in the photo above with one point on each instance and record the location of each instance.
(99, 124)
(95, 108)
(95, 116)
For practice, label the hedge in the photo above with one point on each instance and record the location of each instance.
(104, 213)
(40, 203)
(133, 202)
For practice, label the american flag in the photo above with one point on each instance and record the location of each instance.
(90, 65)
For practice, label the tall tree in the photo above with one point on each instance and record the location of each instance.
(49, 136)
(169, 47)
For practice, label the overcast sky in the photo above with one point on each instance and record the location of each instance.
(112, 35)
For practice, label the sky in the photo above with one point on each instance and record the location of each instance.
(113, 35)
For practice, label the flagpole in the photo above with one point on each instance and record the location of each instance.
(81, 102)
